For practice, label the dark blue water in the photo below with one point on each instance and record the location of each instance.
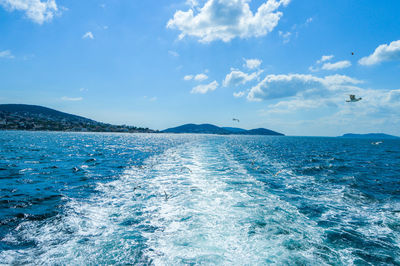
(71, 198)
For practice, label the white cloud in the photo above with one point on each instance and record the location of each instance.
(325, 58)
(237, 77)
(71, 99)
(192, 3)
(319, 106)
(239, 94)
(299, 103)
(88, 35)
(202, 89)
(252, 63)
(200, 77)
(188, 77)
(227, 19)
(333, 116)
(173, 53)
(285, 36)
(382, 53)
(337, 65)
(329, 65)
(282, 86)
(35, 10)
(6, 54)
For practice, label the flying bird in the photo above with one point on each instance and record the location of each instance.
(166, 196)
(186, 169)
(353, 99)
(352, 53)
(235, 119)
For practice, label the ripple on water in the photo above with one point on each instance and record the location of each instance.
(169, 200)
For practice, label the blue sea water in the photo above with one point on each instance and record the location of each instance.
(157, 199)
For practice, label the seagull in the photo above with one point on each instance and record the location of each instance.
(186, 168)
(277, 173)
(353, 99)
(166, 196)
(235, 119)
(377, 143)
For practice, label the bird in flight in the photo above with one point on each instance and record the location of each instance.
(353, 99)
(235, 119)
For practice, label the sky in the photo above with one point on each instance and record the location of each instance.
(285, 65)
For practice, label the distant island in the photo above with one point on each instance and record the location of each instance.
(369, 136)
(212, 129)
(39, 118)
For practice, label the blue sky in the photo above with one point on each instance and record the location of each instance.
(284, 65)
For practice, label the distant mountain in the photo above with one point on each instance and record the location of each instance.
(192, 128)
(35, 118)
(212, 129)
(235, 129)
(262, 131)
(369, 136)
(36, 110)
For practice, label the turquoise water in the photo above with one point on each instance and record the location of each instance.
(72, 198)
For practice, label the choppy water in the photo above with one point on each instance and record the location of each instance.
(70, 198)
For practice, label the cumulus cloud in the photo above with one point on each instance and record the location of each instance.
(35, 10)
(88, 35)
(252, 63)
(202, 89)
(333, 115)
(337, 65)
(6, 54)
(237, 77)
(192, 3)
(282, 86)
(239, 94)
(188, 77)
(382, 53)
(227, 19)
(200, 77)
(71, 99)
(328, 65)
(325, 58)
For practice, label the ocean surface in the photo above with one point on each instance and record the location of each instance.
(158, 199)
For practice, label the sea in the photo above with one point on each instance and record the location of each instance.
(160, 199)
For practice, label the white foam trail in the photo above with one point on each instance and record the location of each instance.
(214, 213)
(222, 217)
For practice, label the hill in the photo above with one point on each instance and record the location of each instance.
(212, 129)
(369, 136)
(235, 129)
(36, 110)
(34, 117)
(192, 128)
(262, 131)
